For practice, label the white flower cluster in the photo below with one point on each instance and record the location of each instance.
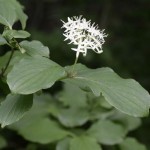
(85, 35)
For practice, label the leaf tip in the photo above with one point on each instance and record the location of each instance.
(3, 125)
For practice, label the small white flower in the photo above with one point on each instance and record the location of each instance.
(85, 35)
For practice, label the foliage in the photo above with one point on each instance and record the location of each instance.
(96, 108)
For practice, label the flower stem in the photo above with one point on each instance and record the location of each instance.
(74, 64)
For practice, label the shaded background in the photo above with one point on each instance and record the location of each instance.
(126, 49)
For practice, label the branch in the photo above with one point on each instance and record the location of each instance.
(4, 70)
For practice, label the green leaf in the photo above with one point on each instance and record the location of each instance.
(2, 40)
(63, 144)
(126, 95)
(4, 59)
(129, 122)
(72, 117)
(9, 34)
(42, 103)
(10, 12)
(103, 103)
(13, 108)
(107, 132)
(19, 12)
(131, 144)
(33, 74)
(35, 48)
(36, 126)
(3, 142)
(98, 112)
(43, 131)
(84, 143)
(69, 98)
(17, 56)
(7, 13)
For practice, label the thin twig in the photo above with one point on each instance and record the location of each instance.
(4, 70)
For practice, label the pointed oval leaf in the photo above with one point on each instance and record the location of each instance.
(33, 74)
(84, 143)
(9, 34)
(11, 11)
(127, 95)
(131, 144)
(7, 13)
(35, 48)
(107, 132)
(13, 108)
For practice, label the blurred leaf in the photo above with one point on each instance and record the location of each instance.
(63, 144)
(131, 144)
(42, 103)
(35, 48)
(9, 34)
(127, 95)
(13, 108)
(103, 103)
(33, 74)
(99, 107)
(36, 126)
(129, 122)
(43, 131)
(100, 113)
(7, 13)
(2, 40)
(3, 142)
(72, 117)
(73, 96)
(54, 109)
(107, 132)
(84, 143)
